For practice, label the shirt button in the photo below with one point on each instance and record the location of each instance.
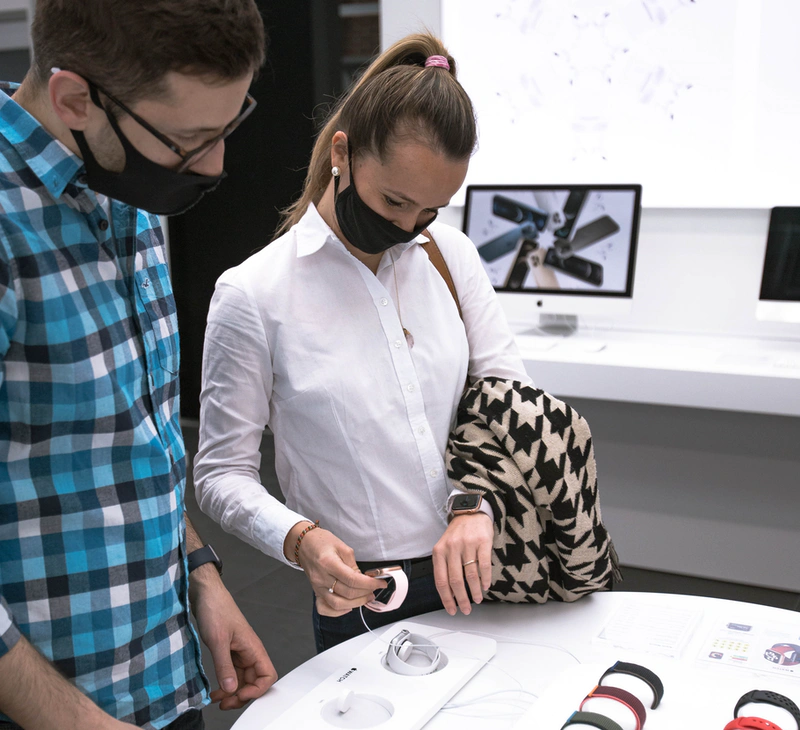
(103, 225)
(384, 301)
(398, 343)
(421, 430)
(82, 179)
(434, 472)
(411, 387)
(146, 284)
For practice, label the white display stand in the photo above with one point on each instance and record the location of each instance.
(383, 698)
(696, 371)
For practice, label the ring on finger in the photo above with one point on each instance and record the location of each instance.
(335, 581)
(469, 562)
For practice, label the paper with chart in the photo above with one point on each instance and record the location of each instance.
(745, 642)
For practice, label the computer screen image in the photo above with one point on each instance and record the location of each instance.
(779, 298)
(559, 249)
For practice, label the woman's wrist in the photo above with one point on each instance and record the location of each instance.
(290, 541)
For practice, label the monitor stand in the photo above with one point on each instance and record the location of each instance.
(554, 328)
(557, 325)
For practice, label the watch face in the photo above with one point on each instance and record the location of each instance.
(466, 501)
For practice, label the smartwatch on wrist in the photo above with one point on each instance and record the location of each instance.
(751, 723)
(467, 503)
(632, 702)
(768, 698)
(637, 670)
(593, 719)
(203, 555)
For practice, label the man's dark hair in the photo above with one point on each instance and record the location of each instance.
(128, 46)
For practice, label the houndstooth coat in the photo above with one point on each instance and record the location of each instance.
(531, 457)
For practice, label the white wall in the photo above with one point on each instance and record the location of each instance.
(701, 492)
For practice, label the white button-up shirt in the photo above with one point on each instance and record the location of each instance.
(305, 339)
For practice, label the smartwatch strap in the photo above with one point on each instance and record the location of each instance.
(768, 698)
(595, 719)
(637, 670)
(631, 701)
(751, 723)
(203, 555)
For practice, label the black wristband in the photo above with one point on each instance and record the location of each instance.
(768, 698)
(637, 670)
(595, 719)
(203, 555)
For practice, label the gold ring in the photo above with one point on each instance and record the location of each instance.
(469, 562)
(335, 581)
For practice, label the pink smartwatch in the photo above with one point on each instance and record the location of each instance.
(394, 573)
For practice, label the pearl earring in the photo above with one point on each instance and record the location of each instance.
(335, 171)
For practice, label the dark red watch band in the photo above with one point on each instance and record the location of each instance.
(632, 702)
(751, 723)
(649, 677)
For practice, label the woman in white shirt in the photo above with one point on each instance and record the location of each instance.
(344, 340)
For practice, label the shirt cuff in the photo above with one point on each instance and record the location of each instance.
(485, 507)
(9, 633)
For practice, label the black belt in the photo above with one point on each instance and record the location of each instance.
(420, 567)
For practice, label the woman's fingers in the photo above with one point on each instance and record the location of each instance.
(463, 558)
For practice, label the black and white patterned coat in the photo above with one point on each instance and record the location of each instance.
(531, 457)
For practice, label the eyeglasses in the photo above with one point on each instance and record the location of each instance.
(188, 157)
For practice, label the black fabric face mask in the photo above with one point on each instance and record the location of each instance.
(367, 230)
(143, 183)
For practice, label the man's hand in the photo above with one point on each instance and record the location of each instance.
(244, 669)
(330, 563)
(468, 539)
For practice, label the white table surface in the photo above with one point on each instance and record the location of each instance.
(564, 666)
(695, 371)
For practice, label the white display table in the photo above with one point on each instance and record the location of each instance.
(553, 651)
(696, 371)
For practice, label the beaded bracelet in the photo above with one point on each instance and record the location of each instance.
(300, 539)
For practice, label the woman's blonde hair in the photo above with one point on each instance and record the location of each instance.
(396, 95)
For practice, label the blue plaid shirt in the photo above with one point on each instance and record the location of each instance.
(92, 463)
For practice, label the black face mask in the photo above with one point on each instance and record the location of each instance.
(143, 183)
(367, 230)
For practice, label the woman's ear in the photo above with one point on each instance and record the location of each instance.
(339, 156)
(70, 99)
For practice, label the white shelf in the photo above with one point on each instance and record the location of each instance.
(695, 371)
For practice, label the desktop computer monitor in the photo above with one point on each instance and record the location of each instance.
(556, 251)
(779, 300)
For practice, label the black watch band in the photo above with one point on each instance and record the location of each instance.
(594, 719)
(637, 670)
(768, 697)
(203, 555)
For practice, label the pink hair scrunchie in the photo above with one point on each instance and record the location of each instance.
(437, 61)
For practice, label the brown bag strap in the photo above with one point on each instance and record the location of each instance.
(435, 255)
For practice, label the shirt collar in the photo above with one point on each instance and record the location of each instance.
(48, 159)
(313, 233)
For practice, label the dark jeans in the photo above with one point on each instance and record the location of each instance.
(191, 720)
(422, 597)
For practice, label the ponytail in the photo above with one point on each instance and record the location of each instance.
(397, 93)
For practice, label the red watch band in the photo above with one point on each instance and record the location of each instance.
(751, 723)
(632, 702)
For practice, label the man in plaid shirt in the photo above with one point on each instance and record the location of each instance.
(122, 115)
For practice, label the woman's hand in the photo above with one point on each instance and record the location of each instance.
(465, 549)
(330, 563)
